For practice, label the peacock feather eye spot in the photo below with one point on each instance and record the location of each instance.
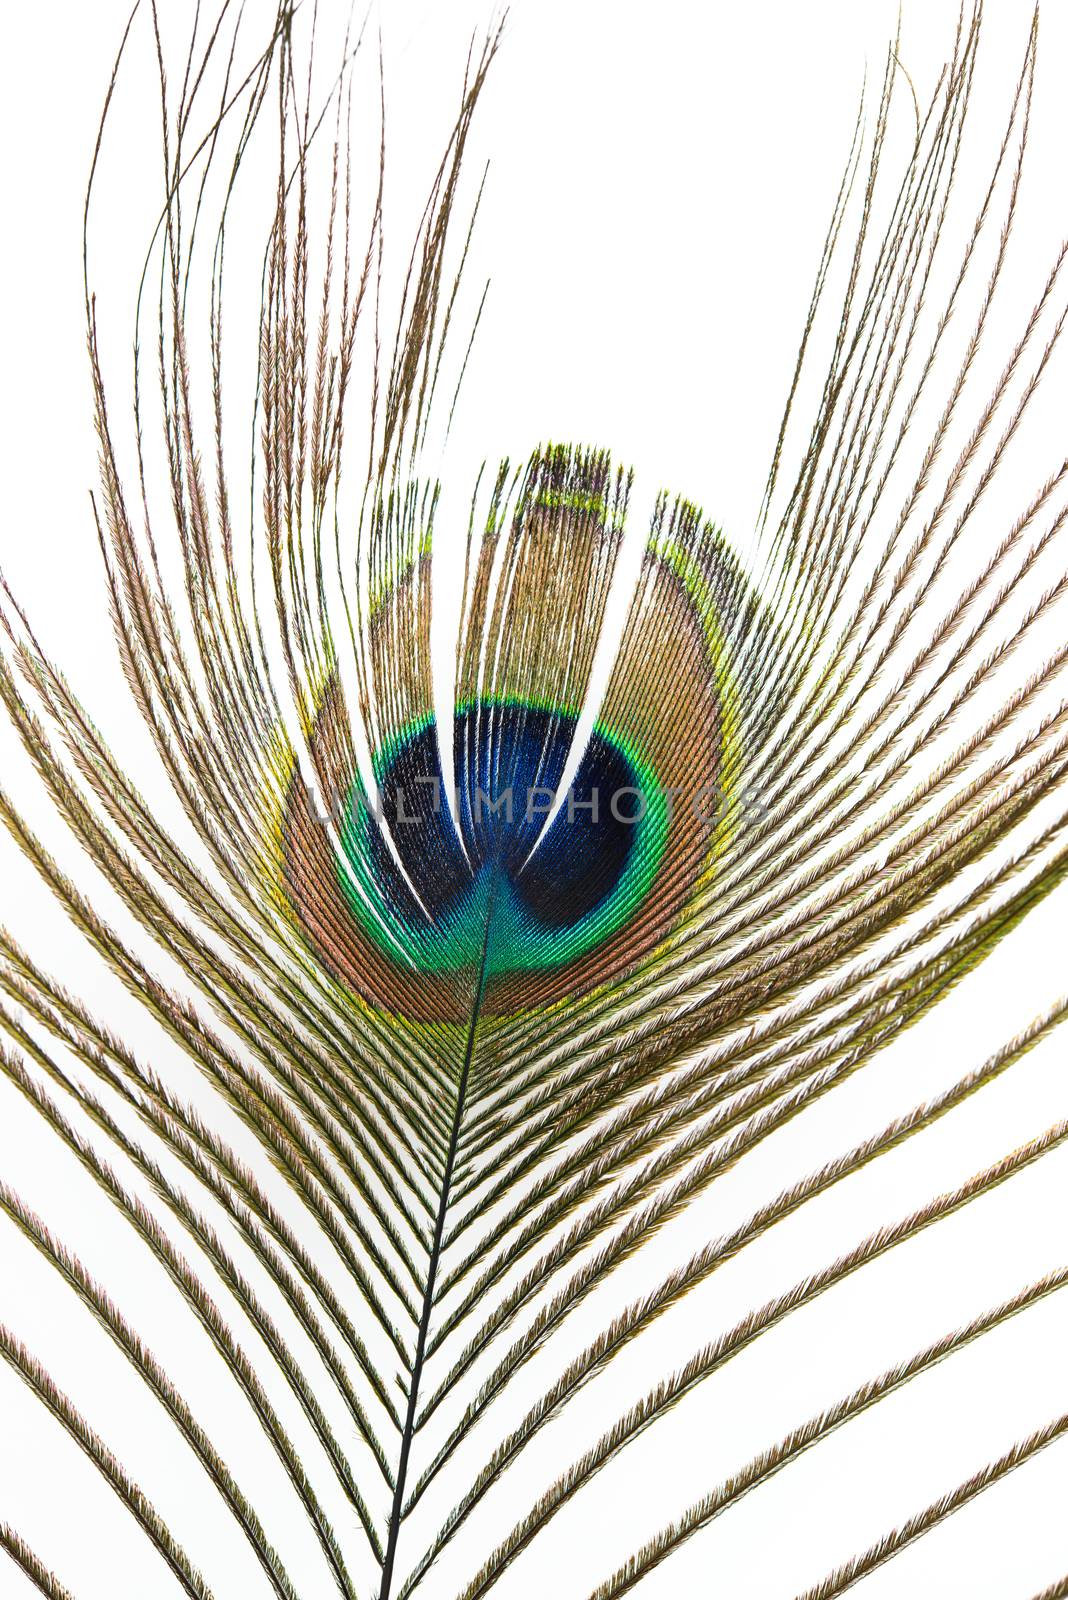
(568, 866)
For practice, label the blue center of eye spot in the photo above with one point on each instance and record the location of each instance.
(559, 891)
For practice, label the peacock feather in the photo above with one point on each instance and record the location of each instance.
(473, 957)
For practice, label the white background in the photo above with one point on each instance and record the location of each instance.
(659, 187)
